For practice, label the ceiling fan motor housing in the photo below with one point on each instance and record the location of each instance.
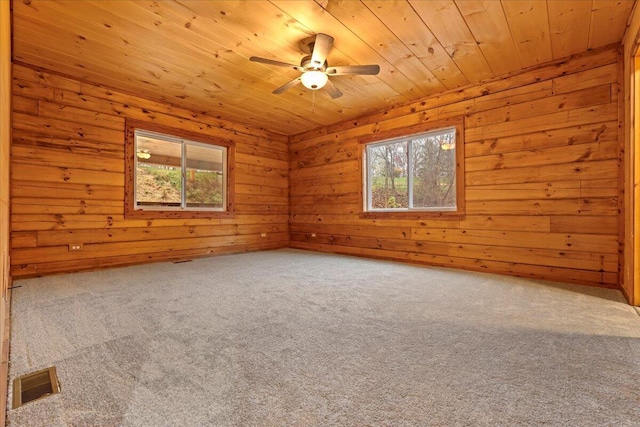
(308, 65)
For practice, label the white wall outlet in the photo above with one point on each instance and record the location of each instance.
(263, 234)
(314, 235)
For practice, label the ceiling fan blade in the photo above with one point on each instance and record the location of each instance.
(272, 62)
(287, 86)
(333, 90)
(371, 70)
(321, 48)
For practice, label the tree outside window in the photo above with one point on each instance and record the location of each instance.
(413, 173)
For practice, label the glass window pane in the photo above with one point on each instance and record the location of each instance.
(434, 171)
(205, 176)
(388, 176)
(158, 172)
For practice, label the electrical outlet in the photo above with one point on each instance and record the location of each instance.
(263, 234)
(314, 235)
(75, 247)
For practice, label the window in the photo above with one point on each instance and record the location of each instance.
(417, 173)
(171, 171)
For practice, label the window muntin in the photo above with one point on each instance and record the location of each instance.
(174, 173)
(412, 173)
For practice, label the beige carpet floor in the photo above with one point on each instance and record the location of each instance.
(294, 338)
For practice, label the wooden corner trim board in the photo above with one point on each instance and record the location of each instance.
(406, 131)
(630, 173)
(129, 158)
(5, 200)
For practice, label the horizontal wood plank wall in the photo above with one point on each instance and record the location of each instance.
(542, 160)
(67, 182)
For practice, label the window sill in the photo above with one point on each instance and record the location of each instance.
(453, 215)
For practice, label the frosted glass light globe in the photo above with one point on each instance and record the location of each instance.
(314, 80)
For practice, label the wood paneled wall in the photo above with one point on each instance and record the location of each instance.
(67, 181)
(542, 180)
(542, 160)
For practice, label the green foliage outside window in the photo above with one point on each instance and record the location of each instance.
(418, 172)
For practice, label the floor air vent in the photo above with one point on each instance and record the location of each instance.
(34, 386)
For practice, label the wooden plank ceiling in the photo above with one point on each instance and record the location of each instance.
(195, 54)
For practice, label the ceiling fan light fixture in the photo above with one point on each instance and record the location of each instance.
(143, 154)
(315, 69)
(314, 79)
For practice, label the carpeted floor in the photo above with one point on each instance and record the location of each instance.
(294, 338)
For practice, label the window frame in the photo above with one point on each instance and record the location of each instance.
(185, 138)
(402, 134)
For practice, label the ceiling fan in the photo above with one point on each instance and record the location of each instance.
(314, 68)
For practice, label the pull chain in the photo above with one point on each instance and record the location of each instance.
(313, 102)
